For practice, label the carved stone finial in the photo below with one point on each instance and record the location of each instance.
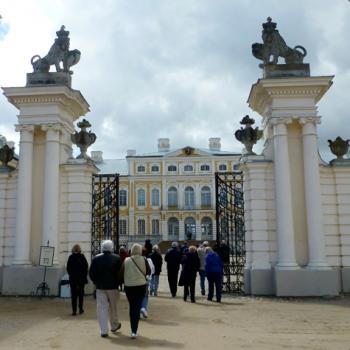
(274, 46)
(83, 139)
(7, 153)
(248, 136)
(60, 56)
(339, 147)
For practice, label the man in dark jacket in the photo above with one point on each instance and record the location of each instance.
(173, 260)
(104, 271)
(157, 262)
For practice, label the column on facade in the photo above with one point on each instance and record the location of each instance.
(51, 187)
(284, 212)
(197, 194)
(181, 196)
(316, 240)
(24, 195)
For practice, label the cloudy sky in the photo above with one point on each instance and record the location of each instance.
(180, 69)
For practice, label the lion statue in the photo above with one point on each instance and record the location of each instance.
(58, 53)
(274, 46)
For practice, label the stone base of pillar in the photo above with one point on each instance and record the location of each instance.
(306, 282)
(24, 280)
(345, 276)
(261, 282)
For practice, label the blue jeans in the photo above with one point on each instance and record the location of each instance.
(144, 304)
(202, 278)
(153, 286)
(214, 278)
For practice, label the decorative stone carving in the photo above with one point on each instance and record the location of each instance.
(273, 47)
(83, 139)
(339, 147)
(60, 56)
(58, 53)
(248, 136)
(7, 152)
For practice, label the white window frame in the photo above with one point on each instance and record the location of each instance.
(204, 170)
(171, 171)
(125, 223)
(155, 226)
(190, 198)
(155, 205)
(155, 171)
(223, 165)
(126, 197)
(138, 197)
(177, 197)
(138, 171)
(141, 226)
(204, 194)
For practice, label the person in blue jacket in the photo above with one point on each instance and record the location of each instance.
(214, 271)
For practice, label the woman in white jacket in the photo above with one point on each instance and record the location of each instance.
(133, 272)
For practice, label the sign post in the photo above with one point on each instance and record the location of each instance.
(46, 260)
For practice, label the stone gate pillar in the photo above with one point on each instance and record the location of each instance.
(45, 121)
(287, 105)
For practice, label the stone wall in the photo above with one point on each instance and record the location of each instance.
(8, 193)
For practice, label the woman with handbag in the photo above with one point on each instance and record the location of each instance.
(133, 272)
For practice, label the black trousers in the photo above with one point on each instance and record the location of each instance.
(172, 279)
(189, 288)
(77, 292)
(135, 296)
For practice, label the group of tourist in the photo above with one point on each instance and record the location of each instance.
(137, 273)
(203, 260)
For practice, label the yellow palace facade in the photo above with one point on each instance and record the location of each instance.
(168, 194)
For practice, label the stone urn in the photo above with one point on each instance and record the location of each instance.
(248, 135)
(6, 155)
(83, 139)
(339, 147)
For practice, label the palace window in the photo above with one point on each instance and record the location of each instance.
(172, 168)
(188, 168)
(155, 197)
(205, 167)
(155, 168)
(141, 227)
(190, 228)
(205, 196)
(155, 226)
(206, 226)
(222, 167)
(141, 197)
(235, 167)
(189, 198)
(172, 197)
(173, 227)
(122, 227)
(123, 198)
(141, 169)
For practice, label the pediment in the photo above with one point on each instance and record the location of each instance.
(187, 151)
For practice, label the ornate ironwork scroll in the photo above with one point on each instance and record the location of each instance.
(105, 211)
(230, 234)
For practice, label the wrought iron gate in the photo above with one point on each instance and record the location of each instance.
(230, 233)
(105, 211)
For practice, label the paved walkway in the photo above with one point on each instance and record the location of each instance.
(236, 323)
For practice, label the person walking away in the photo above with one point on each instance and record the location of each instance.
(144, 305)
(148, 247)
(173, 260)
(190, 267)
(201, 255)
(214, 270)
(157, 260)
(123, 254)
(104, 272)
(134, 271)
(77, 268)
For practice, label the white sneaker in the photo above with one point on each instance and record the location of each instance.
(133, 335)
(144, 313)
